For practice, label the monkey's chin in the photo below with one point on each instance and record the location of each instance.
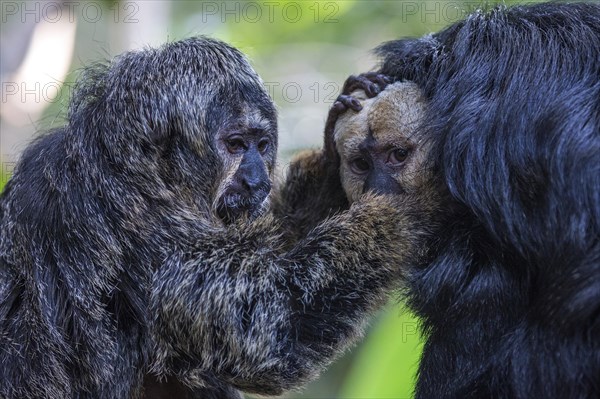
(239, 214)
(235, 208)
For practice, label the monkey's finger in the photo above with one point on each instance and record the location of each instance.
(382, 80)
(338, 107)
(372, 83)
(349, 102)
(360, 82)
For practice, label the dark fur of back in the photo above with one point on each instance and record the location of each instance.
(511, 305)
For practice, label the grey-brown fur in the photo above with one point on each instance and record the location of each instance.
(115, 268)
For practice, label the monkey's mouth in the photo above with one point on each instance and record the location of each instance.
(235, 206)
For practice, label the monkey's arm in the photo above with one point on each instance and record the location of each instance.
(312, 191)
(239, 310)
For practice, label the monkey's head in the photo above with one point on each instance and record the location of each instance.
(246, 145)
(381, 147)
(188, 125)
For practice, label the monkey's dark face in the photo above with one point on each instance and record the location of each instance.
(380, 148)
(247, 147)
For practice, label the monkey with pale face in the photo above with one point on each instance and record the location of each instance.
(381, 148)
(508, 137)
(378, 147)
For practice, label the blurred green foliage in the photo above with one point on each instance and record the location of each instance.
(383, 366)
(387, 363)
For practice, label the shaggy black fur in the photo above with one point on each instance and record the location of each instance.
(511, 304)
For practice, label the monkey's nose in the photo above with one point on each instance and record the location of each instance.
(254, 184)
(380, 182)
(250, 184)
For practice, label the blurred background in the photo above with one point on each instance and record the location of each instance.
(304, 50)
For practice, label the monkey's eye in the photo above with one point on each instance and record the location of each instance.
(359, 165)
(235, 145)
(398, 156)
(263, 145)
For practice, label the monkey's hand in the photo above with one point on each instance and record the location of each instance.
(372, 83)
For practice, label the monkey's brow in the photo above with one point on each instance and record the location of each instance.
(248, 122)
(242, 124)
(257, 130)
(259, 123)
